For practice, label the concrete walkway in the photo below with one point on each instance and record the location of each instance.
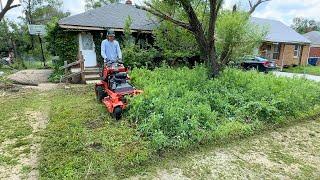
(293, 75)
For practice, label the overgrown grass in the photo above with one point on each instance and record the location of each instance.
(37, 64)
(313, 70)
(181, 107)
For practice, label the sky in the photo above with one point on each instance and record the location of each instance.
(283, 10)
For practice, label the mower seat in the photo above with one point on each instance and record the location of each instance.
(121, 77)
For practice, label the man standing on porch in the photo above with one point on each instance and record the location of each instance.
(110, 49)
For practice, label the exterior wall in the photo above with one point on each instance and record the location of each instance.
(305, 55)
(315, 52)
(286, 56)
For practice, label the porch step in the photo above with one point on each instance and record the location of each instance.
(92, 81)
(89, 77)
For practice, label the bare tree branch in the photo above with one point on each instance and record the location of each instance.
(7, 7)
(151, 9)
(254, 6)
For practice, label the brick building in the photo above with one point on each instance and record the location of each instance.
(314, 37)
(282, 44)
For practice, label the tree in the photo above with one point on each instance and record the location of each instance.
(304, 25)
(92, 4)
(7, 7)
(196, 23)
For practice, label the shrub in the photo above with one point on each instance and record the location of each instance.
(181, 107)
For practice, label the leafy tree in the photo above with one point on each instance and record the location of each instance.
(8, 6)
(236, 36)
(199, 18)
(304, 25)
(92, 4)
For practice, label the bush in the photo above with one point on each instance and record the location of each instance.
(181, 107)
(135, 56)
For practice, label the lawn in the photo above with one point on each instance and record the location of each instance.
(179, 111)
(312, 70)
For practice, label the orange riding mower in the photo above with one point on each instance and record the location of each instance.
(114, 87)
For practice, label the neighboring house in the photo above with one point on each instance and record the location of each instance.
(94, 23)
(314, 37)
(282, 44)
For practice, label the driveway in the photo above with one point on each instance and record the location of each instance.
(293, 75)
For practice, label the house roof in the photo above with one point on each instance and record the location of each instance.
(110, 16)
(279, 32)
(314, 37)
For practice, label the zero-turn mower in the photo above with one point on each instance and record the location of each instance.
(114, 87)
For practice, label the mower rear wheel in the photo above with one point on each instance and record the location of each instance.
(100, 93)
(117, 113)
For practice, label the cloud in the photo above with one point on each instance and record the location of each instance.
(74, 6)
(284, 10)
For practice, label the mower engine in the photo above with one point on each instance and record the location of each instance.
(114, 87)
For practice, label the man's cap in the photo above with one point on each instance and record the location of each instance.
(110, 32)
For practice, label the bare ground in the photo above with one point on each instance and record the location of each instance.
(287, 153)
(26, 166)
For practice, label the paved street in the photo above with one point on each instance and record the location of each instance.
(292, 75)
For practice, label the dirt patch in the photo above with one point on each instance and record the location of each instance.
(288, 153)
(23, 153)
(95, 124)
(44, 86)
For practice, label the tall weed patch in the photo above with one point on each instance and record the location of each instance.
(181, 107)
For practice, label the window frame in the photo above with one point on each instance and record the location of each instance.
(276, 51)
(297, 51)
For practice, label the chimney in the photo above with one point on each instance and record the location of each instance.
(129, 2)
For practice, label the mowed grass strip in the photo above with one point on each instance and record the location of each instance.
(82, 141)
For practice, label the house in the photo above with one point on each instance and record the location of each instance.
(93, 24)
(314, 37)
(282, 44)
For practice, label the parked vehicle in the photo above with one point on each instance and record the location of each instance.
(258, 63)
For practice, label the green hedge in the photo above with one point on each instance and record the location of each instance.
(181, 107)
(63, 44)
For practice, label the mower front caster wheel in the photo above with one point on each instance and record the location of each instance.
(117, 113)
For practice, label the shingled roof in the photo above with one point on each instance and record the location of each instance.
(279, 32)
(314, 37)
(110, 16)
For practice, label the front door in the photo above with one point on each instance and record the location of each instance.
(87, 48)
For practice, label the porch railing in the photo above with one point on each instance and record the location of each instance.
(67, 69)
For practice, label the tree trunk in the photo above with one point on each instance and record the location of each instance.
(214, 65)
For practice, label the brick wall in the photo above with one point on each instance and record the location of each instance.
(315, 52)
(305, 55)
(287, 55)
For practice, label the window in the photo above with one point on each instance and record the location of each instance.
(276, 51)
(297, 51)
